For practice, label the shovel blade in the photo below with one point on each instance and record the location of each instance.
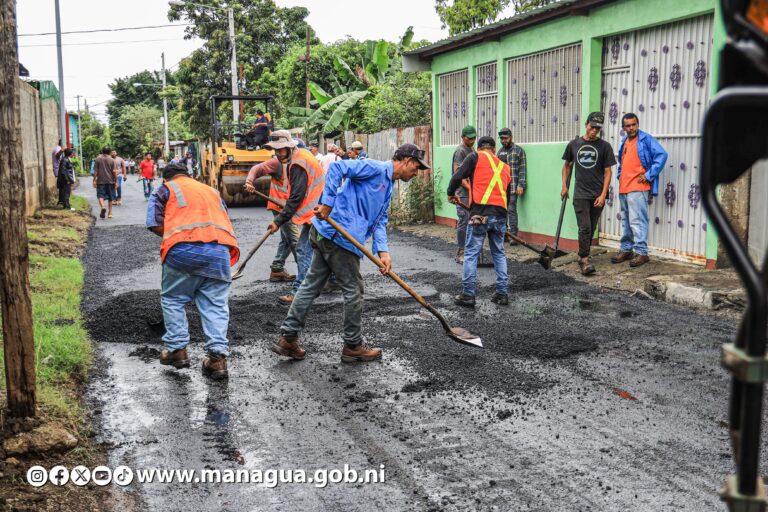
(545, 261)
(237, 276)
(464, 336)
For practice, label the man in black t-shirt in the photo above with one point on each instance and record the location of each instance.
(593, 159)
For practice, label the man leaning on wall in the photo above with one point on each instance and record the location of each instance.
(464, 149)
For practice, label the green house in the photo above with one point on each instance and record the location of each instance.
(540, 73)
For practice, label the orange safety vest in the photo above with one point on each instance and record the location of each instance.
(491, 180)
(195, 213)
(315, 185)
(279, 189)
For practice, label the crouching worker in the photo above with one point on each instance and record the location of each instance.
(197, 251)
(360, 207)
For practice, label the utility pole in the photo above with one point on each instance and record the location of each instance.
(80, 135)
(306, 72)
(242, 105)
(62, 107)
(233, 65)
(15, 301)
(167, 150)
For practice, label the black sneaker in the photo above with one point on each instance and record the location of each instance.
(500, 299)
(103, 213)
(467, 301)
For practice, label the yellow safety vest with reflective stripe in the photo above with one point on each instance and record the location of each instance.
(315, 185)
(490, 181)
(194, 213)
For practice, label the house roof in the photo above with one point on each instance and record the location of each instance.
(496, 30)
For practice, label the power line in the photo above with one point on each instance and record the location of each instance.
(108, 30)
(100, 43)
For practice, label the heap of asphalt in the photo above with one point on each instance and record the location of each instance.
(550, 317)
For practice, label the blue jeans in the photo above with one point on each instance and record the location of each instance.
(119, 187)
(211, 297)
(304, 253)
(634, 214)
(147, 184)
(494, 229)
(289, 239)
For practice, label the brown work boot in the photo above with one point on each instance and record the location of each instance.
(285, 300)
(622, 256)
(639, 260)
(177, 358)
(586, 267)
(215, 366)
(459, 257)
(281, 277)
(288, 346)
(359, 353)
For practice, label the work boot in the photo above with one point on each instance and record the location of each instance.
(177, 358)
(586, 267)
(459, 257)
(285, 300)
(215, 366)
(467, 301)
(359, 353)
(623, 256)
(502, 299)
(288, 346)
(280, 277)
(639, 260)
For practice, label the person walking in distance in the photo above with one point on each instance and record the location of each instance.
(360, 206)
(65, 178)
(121, 169)
(148, 174)
(463, 150)
(641, 160)
(197, 252)
(105, 180)
(593, 158)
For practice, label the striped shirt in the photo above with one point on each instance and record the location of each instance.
(195, 258)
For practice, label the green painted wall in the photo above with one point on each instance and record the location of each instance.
(539, 207)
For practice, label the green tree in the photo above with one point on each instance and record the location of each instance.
(136, 129)
(463, 15)
(124, 93)
(404, 100)
(91, 148)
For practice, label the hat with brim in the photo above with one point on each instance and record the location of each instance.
(413, 151)
(356, 145)
(280, 139)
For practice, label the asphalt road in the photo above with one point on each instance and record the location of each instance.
(582, 399)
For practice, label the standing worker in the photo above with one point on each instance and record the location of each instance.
(514, 156)
(289, 233)
(491, 186)
(593, 158)
(360, 207)
(463, 150)
(198, 250)
(105, 180)
(306, 179)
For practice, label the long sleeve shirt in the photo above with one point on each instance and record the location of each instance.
(272, 167)
(514, 157)
(359, 191)
(467, 171)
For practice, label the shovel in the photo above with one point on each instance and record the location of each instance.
(456, 333)
(550, 253)
(239, 272)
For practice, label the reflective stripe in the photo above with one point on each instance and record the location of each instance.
(279, 188)
(179, 194)
(306, 209)
(194, 225)
(494, 181)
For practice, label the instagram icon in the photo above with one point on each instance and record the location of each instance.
(37, 476)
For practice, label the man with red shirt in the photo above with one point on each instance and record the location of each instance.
(148, 173)
(641, 160)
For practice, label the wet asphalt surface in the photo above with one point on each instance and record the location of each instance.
(582, 399)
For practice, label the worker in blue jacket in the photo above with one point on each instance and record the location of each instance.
(641, 160)
(356, 195)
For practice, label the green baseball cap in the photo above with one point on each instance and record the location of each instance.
(469, 132)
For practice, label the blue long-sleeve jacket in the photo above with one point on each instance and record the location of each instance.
(359, 191)
(653, 157)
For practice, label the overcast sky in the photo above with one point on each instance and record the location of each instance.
(91, 61)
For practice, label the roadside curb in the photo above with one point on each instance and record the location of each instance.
(715, 290)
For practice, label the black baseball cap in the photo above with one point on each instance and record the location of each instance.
(413, 151)
(504, 132)
(486, 141)
(314, 144)
(596, 119)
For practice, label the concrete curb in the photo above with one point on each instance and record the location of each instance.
(714, 292)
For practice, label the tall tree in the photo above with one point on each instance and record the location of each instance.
(136, 129)
(463, 15)
(125, 93)
(18, 335)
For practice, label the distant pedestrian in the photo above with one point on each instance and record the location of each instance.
(314, 148)
(191, 164)
(514, 156)
(641, 160)
(330, 156)
(463, 150)
(131, 166)
(65, 179)
(174, 160)
(55, 158)
(105, 180)
(160, 164)
(593, 158)
(357, 151)
(121, 169)
(148, 174)
(198, 250)
(491, 187)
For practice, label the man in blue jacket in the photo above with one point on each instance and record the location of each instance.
(641, 160)
(357, 194)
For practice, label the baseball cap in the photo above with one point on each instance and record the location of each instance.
(469, 132)
(486, 141)
(314, 144)
(505, 131)
(280, 139)
(413, 151)
(596, 119)
(356, 145)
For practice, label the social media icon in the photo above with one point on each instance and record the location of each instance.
(80, 475)
(101, 475)
(37, 476)
(58, 475)
(122, 475)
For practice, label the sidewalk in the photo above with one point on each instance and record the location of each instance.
(662, 279)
